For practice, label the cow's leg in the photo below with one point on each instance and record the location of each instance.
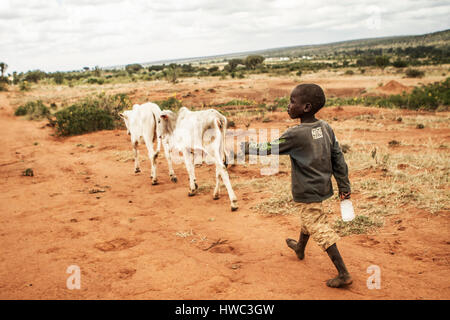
(152, 156)
(136, 157)
(172, 175)
(189, 162)
(224, 174)
(226, 180)
(217, 188)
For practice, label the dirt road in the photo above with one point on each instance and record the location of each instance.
(86, 207)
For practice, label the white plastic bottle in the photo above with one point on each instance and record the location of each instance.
(347, 212)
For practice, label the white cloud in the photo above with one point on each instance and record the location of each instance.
(69, 34)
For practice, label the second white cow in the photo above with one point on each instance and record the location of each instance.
(142, 123)
(193, 131)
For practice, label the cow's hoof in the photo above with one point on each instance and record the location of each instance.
(234, 208)
(154, 182)
(191, 193)
(216, 197)
(137, 170)
(174, 179)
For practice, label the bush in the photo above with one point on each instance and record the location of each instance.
(172, 73)
(414, 73)
(35, 75)
(133, 68)
(34, 109)
(24, 86)
(253, 60)
(382, 61)
(281, 103)
(399, 63)
(58, 77)
(428, 97)
(349, 72)
(171, 103)
(4, 84)
(28, 172)
(78, 119)
(93, 80)
(94, 113)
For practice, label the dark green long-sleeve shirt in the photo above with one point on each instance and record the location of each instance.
(315, 156)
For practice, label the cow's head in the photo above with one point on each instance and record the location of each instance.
(126, 118)
(167, 121)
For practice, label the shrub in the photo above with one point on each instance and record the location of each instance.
(34, 109)
(231, 124)
(429, 97)
(94, 80)
(172, 73)
(213, 69)
(78, 119)
(399, 63)
(24, 86)
(281, 103)
(100, 112)
(132, 68)
(28, 172)
(349, 72)
(58, 77)
(414, 73)
(382, 61)
(4, 84)
(35, 75)
(253, 60)
(171, 103)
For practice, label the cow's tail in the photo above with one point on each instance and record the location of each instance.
(156, 134)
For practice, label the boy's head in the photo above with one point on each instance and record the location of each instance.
(306, 99)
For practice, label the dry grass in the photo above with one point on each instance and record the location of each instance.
(385, 180)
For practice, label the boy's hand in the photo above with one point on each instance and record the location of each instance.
(245, 149)
(344, 195)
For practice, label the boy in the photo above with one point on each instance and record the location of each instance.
(315, 156)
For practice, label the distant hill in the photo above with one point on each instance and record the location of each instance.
(438, 39)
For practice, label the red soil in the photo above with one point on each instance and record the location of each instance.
(128, 240)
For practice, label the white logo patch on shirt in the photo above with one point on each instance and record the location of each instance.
(317, 133)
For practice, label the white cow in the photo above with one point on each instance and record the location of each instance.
(192, 131)
(142, 122)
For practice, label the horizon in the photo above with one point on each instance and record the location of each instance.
(67, 35)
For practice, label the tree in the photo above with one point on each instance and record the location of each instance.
(382, 61)
(97, 71)
(3, 67)
(58, 77)
(232, 64)
(213, 69)
(252, 61)
(35, 76)
(172, 73)
(133, 68)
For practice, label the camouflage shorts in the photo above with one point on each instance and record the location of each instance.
(314, 221)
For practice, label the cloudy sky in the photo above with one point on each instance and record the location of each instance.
(69, 34)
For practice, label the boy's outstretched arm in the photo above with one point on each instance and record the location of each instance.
(340, 170)
(281, 146)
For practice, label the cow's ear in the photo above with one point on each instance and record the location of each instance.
(164, 116)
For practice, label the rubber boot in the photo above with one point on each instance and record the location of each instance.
(299, 247)
(343, 277)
